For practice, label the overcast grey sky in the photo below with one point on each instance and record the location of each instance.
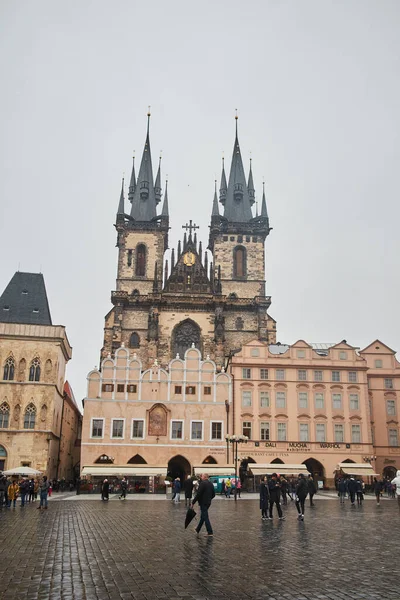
(317, 87)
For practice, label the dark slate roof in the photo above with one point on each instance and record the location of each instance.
(237, 205)
(144, 198)
(25, 300)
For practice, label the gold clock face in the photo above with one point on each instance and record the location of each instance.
(189, 259)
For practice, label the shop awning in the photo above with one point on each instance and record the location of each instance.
(227, 470)
(123, 470)
(362, 469)
(281, 469)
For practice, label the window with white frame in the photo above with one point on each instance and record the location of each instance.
(391, 407)
(246, 398)
(246, 429)
(393, 437)
(320, 432)
(318, 376)
(138, 428)
(117, 428)
(378, 363)
(339, 432)
(319, 400)
(281, 432)
(280, 399)
(303, 399)
(352, 376)
(265, 430)
(356, 434)
(388, 383)
(342, 355)
(264, 399)
(354, 402)
(216, 430)
(196, 430)
(304, 432)
(335, 375)
(280, 374)
(97, 428)
(302, 375)
(337, 401)
(246, 373)
(263, 373)
(176, 430)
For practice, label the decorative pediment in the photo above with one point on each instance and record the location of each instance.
(188, 274)
(336, 417)
(322, 416)
(303, 416)
(355, 418)
(281, 416)
(303, 386)
(249, 415)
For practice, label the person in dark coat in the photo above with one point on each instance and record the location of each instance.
(188, 485)
(342, 489)
(377, 487)
(284, 490)
(124, 488)
(105, 488)
(204, 496)
(264, 499)
(352, 488)
(301, 495)
(274, 496)
(312, 490)
(359, 491)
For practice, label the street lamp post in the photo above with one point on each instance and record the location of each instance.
(235, 440)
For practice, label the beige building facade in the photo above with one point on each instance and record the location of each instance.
(33, 358)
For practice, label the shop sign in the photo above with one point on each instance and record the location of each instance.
(329, 445)
(298, 447)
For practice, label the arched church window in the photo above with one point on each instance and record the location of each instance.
(239, 262)
(134, 340)
(140, 260)
(34, 371)
(4, 415)
(30, 416)
(184, 335)
(9, 368)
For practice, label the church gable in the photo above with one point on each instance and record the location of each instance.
(188, 274)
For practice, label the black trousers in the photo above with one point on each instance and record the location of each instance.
(278, 506)
(352, 496)
(311, 499)
(300, 505)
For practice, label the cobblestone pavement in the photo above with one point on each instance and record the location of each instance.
(87, 549)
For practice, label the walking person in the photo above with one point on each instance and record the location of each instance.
(204, 496)
(342, 490)
(177, 490)
(301, 495)
(43, 491)
(223, 490)
(312, 490)
(274, 496)
(396, 482)
(3, 484)
(188, 490)
(31, 493)
(105, 489)
(124, 487)
(377, 487)
(24, 490)
(12, 493)
(264, 499)
(352, 487)
(284, 490)
(228, 487)
(238, 486)
(359, 492)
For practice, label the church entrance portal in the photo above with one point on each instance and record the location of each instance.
(178, 466)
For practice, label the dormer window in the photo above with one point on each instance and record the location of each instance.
(238, 192)
(36, 311)
(6, 308)
(144, 190)
(24, 292)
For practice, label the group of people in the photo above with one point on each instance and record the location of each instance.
(105, 489)
(275, 488)
(190, 486)
(354, 488)
(12, 488)
(231, 486)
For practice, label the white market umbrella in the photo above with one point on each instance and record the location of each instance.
(22, 471)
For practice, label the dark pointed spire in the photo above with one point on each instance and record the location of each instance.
(132, 183)
(157, 185)
(206, 261)
(215, 210)
(237, 205)
(121, 205)
(223, 187)
(200, 252)
(250, 186)
(179, 249)
(165, 209)
(172, 258)
(264, 212)
(144, 200)
(166, 272)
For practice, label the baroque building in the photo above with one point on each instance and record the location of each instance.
(33, 358)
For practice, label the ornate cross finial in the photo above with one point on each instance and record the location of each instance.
(190, 227)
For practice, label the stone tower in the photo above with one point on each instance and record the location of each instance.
(215, 303)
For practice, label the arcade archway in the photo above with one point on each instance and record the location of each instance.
(389, 472)
(137, 460)
(315, 468)
(277, 461)
(179, 466)
(209, 460)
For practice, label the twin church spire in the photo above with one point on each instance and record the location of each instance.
(237, 196)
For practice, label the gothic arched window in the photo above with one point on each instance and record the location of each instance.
(239, 262)
(184, 335)
(30, 416)
(9, 367)
(140, 270)
(134, 341)
(34, 371)
(4, 415)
